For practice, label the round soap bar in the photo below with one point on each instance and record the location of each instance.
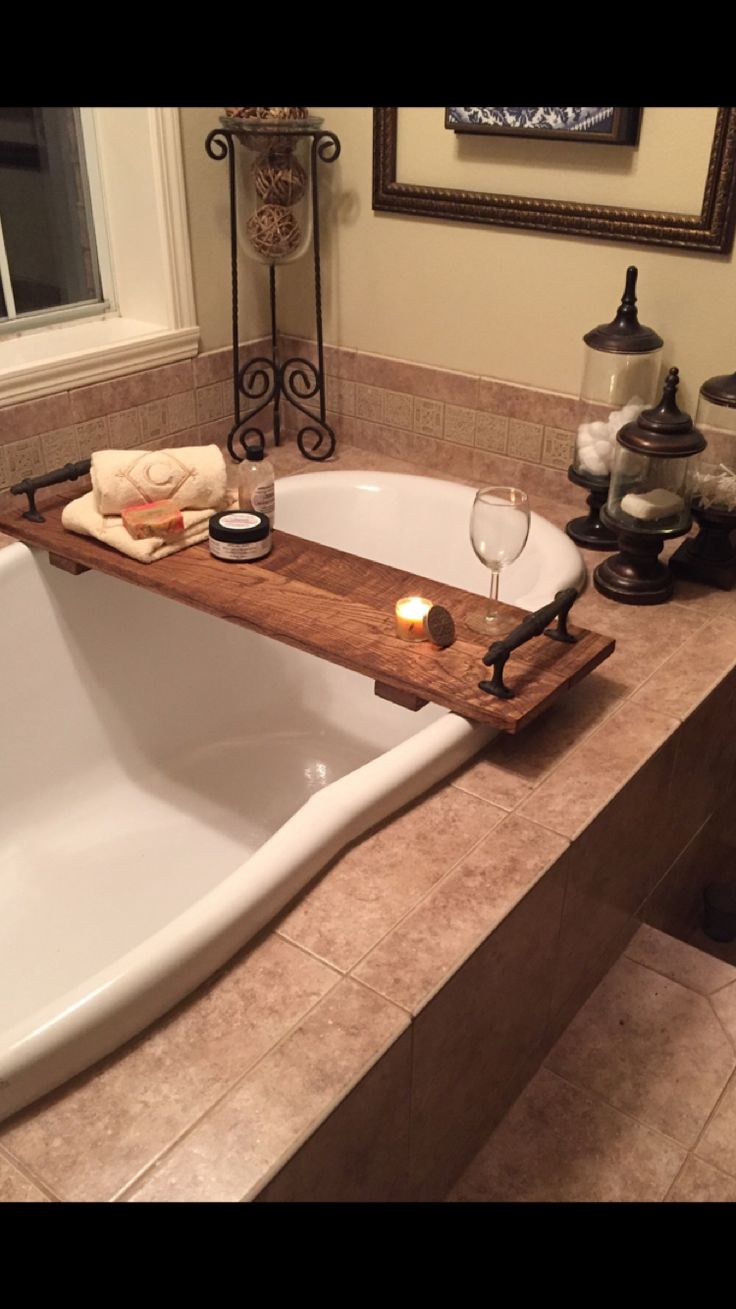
(440, 626)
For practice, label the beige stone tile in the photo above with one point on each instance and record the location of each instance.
(611, 870)
(237, 1147)
(706, 758)
(590, 776)
(154, 422)
(680, 962)
(538, 481)
(181, 411)
(557, 451)
(428, 416)
(398, 410)
(704, 601)
(47, 414)
(361, 1152)
(430, 943)
(210, 403)
(459, 424)
(126, 392)
(637, 652)
(683, 680)
(676, 902)
(481, 1037)
(368, 402)
(15, 1188)
(23, 459)
(341, 395)
(491, 432)
(725, 950)
(525, 440)
(724, 1003)
(418, 379)
(650, 1048)
(558, 1143)
(717, 1145)
(59, 448)
(91, 436)
(370, 887)
(94, 1136)
(511, 766)
(4, 475)
(699, 1183)
(125, 429)
(524, 402)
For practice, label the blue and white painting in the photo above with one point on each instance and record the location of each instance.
(617, 126)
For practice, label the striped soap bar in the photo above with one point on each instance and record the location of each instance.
(159, 518)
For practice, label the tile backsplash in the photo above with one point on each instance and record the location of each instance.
(470, 426)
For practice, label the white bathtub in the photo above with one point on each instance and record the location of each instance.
(169, 781)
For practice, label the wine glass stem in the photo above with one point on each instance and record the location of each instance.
(491, 611)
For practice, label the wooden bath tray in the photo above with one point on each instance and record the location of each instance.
(340, 607)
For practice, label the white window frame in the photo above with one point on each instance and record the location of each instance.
(137, 181)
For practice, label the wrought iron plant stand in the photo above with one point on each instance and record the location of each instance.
(264, 381)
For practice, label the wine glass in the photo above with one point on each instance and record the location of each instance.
(499, 527)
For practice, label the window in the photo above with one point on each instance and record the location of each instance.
(51, 230)
(116, 276)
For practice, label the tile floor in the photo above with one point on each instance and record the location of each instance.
(637, 1101)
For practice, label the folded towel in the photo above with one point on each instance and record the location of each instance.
(82, 516)
(193, 476)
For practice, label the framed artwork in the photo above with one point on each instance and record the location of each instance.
(710, 230)
(608, 126)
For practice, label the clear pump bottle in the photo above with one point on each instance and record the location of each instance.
(256, 476)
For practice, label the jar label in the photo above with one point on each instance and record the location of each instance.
(239, 522)
(264, 499)
(240, 550)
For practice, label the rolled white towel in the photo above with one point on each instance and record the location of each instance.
(193, 476)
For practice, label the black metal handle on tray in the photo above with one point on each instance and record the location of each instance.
(30, 485)
(534, 625)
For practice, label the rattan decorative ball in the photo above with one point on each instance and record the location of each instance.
(267, 113)
(279, 179)
(273, 231)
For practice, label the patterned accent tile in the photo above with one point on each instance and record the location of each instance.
(459, 424)
(210, 403)
(181, 411)
(154, 420)
(340, 394)
(428, 416)
(491, 432)
(91, 436)
(525, 440)
(191, 436)
(397, 409)
(125, 429)
(368, 402)
(558, 447)
(59, 448)
(24, 459)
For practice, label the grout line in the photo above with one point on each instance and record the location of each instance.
(596, 1095)
(677, 1177)
(731, 1078)
(28, 1173)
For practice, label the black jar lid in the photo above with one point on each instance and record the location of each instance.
(664, 430)
(239, 525)
(720, 390)
(625, 334)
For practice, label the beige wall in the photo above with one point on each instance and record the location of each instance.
(507, 304)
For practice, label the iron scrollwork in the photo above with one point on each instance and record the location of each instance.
(269, 380)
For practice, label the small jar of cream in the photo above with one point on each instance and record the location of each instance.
(240, 537)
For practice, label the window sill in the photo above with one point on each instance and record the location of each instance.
(71, 355)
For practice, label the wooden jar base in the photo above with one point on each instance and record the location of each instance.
(635, 576)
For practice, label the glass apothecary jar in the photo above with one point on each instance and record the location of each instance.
(620, 375)
(716, 417)
(653, 471)
(275, 212)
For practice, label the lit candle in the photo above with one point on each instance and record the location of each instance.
(410, 614)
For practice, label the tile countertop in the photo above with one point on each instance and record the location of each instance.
(211, 1101)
